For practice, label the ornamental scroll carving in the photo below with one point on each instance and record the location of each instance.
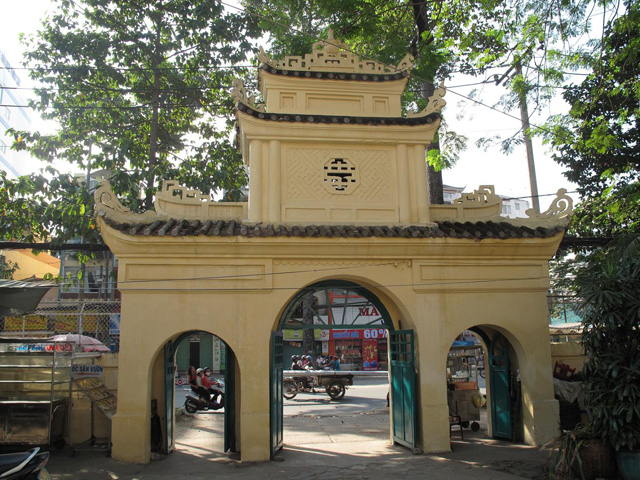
(172, 190)
(561, 207)
(106, 203)
(333, 54)
(484, 195)
(436, 103)
(240, 95)
(484, 205)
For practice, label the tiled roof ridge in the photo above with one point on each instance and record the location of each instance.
(223, 228)
(338, 119)
(362, 77)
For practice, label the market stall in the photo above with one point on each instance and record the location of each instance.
(35, 380)
(463, 395)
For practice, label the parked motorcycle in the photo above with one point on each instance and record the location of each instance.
(27, 465)
(196, 399)
(334, 386)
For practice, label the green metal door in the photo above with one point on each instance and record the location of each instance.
(499, 378)
(403, 387)
(275, 389)
(169, 386)
(230, 401)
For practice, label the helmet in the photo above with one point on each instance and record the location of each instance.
(199, 371)
(207, 369)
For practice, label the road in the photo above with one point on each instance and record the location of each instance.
(366, 394)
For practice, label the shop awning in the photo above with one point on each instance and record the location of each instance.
(18, 298)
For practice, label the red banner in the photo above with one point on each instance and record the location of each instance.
(369, 354)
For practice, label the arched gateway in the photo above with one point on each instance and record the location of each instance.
(338, 192)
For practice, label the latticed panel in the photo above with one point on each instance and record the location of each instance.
(306, 174)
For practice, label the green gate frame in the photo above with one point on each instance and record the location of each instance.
(500, 396)
(338, 284)
(276, 390)
(230, 401)
(403, 388)
(169, 396)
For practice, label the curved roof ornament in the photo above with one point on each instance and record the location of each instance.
(435, 103)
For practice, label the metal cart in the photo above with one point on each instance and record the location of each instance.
(34, 391)
(462, 377)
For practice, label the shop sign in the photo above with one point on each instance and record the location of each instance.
(297, 335)
(114, 324)
(85, 371)
(370, 333)
(44, 347)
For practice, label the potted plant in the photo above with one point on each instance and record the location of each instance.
(581, 453)
(609, 283)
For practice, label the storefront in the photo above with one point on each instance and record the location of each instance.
(360, 349)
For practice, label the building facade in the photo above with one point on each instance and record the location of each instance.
(13, 114)
(338, 203)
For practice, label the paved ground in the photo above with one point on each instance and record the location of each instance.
(316, 447)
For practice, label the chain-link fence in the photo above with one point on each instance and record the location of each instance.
(565, 317)
(92, 318)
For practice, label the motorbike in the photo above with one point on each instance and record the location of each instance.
(335, 385)
(27, 465)
(197, 399)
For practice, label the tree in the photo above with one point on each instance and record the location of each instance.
(609, 282)
(140, 89)
(598, 139)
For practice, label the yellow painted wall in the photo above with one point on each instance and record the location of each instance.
(429, 285)
(32, 265)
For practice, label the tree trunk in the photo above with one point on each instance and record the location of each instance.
(434, 179)
(155, 106)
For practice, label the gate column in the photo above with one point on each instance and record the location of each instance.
(432, 387)
(132, 422)
(255, 426)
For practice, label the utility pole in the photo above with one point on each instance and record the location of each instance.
(524, 117)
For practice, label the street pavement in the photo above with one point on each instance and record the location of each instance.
(328, 444)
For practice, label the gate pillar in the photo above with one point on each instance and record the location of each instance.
(254, 408)
(432, 390)
(131, 425)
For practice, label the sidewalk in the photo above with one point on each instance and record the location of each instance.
(329, 447)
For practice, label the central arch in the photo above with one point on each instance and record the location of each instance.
(337, 304)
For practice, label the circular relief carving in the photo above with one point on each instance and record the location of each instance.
(340, 176)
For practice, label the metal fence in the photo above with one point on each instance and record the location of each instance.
(94, 318)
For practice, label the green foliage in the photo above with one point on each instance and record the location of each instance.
(7, 268)
(609, 282)
(139, 89)
(598, 140)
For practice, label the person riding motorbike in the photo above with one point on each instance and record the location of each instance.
(197, 386)
(208, 384)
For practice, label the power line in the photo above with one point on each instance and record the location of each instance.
(129, 69)
(311, 288)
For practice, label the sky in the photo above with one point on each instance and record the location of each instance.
(509, 173)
